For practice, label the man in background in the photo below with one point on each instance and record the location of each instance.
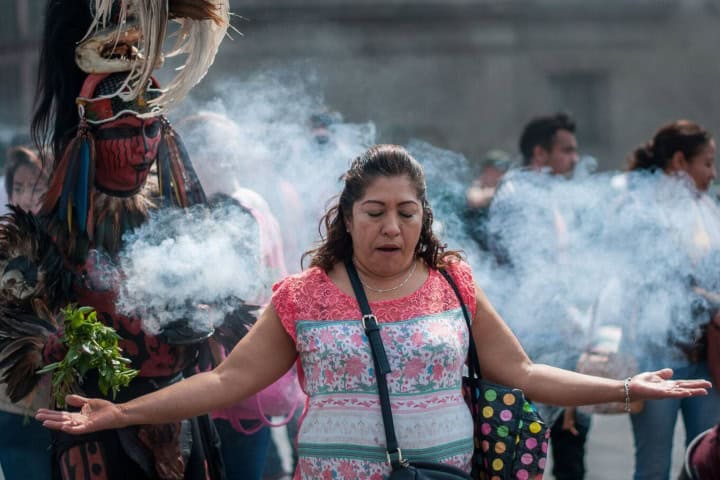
(548, 144)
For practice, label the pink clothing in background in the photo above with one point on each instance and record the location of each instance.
(282, 398)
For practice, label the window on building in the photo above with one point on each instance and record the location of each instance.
(585, 96)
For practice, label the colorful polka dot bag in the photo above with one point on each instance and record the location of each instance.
(511, 440)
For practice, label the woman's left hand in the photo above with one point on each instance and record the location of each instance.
(658, 385)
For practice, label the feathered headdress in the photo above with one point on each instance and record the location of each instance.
(128, 36)
(96, 37)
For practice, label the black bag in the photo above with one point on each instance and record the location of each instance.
(511, 439)
(402, 469)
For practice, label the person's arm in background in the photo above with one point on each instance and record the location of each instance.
(263, 356)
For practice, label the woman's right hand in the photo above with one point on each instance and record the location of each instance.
(95, 414)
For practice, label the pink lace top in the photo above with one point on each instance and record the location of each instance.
(426, 341)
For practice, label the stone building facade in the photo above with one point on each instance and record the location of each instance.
(462, 74)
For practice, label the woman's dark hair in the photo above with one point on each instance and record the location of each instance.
(379, 161)
(683, 136)
(18, 157)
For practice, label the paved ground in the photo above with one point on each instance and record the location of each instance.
(610, 449)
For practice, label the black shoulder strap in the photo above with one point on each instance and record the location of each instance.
(382, 366)
(473, 361)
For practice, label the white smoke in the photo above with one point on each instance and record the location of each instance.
(194, 265)
(268, 145)
(612, 249)
(447, 175)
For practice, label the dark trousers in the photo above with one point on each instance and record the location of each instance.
(244, 455)
(568, 450)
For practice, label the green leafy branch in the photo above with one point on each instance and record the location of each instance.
(90, 345)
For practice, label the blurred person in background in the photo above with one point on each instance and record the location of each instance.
(25, 179)
(248, 450)
(548, 143)
(16, 141)
(244, 428)
(678, 163)
(549, 152)
(24, 445)
(481, 192)
(321, 123)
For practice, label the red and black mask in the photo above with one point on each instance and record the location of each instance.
(116, 143)
(125, 149)
(126, 133)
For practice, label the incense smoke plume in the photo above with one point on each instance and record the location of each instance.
(180, 261)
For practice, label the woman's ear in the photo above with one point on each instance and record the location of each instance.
(678, 162)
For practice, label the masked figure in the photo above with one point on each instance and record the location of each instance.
(116, 157)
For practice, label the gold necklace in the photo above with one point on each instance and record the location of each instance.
(384, 290)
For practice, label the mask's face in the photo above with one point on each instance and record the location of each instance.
(125, 149)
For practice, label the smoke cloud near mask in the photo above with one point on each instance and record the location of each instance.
(195, 265)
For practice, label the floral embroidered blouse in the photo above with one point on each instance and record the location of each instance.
(426, 340)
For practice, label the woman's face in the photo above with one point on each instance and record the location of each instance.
(385, 225)
(701, 167)
(27, 188)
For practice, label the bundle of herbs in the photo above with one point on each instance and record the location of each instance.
(90, 345)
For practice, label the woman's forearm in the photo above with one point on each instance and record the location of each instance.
(555, 386)
(185, 399)
(263, 356)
